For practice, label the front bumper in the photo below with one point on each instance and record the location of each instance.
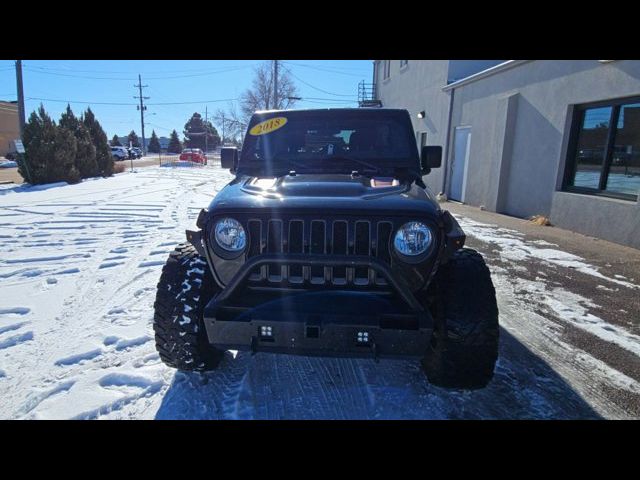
(319, 322)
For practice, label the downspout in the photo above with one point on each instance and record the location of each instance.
(448, 139)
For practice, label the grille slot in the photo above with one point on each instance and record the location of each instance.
(339, 247)
(255, 240)
(296, 245)
(317, 245)
(274, 245)
(319, 237)
(362, 244)
(382, 247)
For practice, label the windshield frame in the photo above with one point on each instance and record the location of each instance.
(409, 166)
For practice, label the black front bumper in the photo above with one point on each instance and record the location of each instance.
(319, 322)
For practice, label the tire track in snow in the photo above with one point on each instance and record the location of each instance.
(83, 306)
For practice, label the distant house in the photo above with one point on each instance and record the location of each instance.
(9, 126)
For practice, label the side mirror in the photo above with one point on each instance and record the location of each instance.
(229, 157)
(431, 157)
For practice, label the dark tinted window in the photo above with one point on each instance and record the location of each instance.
(325, 143)
(606, 154)
(624, 172)
(592, 146)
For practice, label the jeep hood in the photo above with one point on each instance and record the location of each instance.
(325, 193)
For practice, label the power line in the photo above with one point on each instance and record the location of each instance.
(330, 99)
(147, 72)
(201, 74)
(325, 65)
(77, 76)
(78, 101)
(129, 104)
(328, 104)
(323, 69)
(231, 69)
(316, 88)
(201, 101)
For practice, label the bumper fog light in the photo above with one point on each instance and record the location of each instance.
(266, 331)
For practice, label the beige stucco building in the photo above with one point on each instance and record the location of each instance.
(9, 127)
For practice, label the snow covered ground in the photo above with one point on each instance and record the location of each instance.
(78, 270)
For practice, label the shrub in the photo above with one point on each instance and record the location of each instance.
(50, 151)
(85, 160)
(104, 159)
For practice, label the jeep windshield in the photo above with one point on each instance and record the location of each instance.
(373, 142)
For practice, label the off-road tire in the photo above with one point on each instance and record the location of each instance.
(185, 287)
(464, 345)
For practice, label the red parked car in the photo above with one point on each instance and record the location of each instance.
(193, 155)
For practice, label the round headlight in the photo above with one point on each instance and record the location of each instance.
(412, 239)
(230, 235)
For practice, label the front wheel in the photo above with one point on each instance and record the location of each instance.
(185, 287)
(464, 345)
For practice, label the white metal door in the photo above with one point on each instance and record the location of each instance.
(461, 143)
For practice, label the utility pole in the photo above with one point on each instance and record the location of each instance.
(206, 131)
(223, 129)
(20, 96)
(275, 84)
(142, 108)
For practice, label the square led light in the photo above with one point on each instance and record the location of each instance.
(266, 331)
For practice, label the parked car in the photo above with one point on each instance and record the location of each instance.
(132, 153)
(119, 153)
(137, 152)
(193, 155)
(328, 242)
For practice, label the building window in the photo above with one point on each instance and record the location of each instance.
(386, 69)
(404, 63)
(604, 157)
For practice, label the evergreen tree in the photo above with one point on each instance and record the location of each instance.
(50, 151)
(195, 131)
(115, 141)
(85, 160)
(133, 140)
(68, 119)
(65, 157)
(174, 143)
(154, 143)
(104, 159)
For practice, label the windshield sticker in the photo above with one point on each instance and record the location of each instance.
(268, 126)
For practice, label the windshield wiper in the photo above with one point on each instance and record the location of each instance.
(283, 164)
(372, 168)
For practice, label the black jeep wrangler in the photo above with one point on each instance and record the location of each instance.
(327, 242)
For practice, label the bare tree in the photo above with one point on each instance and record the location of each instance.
(232, 121)
(231, 124)
(261, 96)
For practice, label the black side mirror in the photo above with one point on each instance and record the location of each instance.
(229, 157)
(431, 158)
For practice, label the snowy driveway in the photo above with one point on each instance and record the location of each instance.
(78, 269)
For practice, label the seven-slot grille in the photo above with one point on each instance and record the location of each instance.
(318, 237)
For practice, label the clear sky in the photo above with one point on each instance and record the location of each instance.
(206, 83)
